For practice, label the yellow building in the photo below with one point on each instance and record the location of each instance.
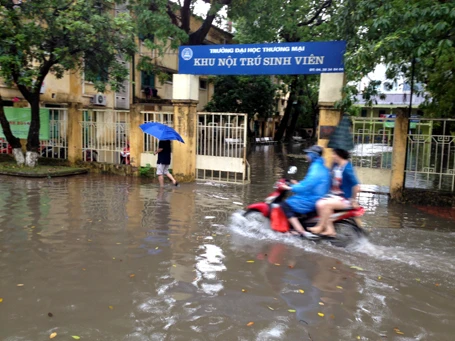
(72, 88)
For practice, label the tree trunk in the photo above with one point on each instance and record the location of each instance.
(13, 141)
(287, 112)
(315, 122)
(295, 116)
(33, 133)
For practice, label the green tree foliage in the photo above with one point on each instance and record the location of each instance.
(265, 21)
(398, 32)
(244, 94)
(54, 36)
(159, 20)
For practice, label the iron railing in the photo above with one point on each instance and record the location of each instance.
(431, 154)
(57, 145)
(105, 136)
(373, 139)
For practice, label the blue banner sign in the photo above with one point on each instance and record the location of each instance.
(263, 59)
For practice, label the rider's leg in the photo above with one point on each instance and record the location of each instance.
(339, 204)
(323, 209)
(293, 220)
(296, 225)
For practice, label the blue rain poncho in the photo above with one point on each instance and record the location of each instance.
(313, 187)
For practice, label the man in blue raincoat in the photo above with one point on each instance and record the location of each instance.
(313, 187)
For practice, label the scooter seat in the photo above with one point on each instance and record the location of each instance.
(344, 210)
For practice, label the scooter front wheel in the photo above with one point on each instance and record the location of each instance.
(254, 215)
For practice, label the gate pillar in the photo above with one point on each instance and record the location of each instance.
(185, 96)
(136, 136)
(330, 87)
(400, 136)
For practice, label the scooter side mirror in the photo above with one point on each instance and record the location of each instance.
(292, 170)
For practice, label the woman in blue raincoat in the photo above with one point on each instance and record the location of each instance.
(313, 187)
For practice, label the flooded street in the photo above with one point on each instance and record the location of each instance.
(113, 258)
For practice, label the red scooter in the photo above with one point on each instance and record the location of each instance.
(346, 224)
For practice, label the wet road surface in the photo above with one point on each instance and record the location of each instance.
(112, 258)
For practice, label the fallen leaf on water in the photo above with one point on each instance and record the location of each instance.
(338, 287)
(332, 316)
(357, 268)
(399, 332)
(52, 335)
(83, 269)
(20, 285)
(250, 261)
(75, 337)
(174, 265)
(50, 314)
(291, 310)
(321, 314)
(358, 337)
(418, 279)
(89, 240)
(277, 264)
(118, 243)
(379, 277)
(334, 268)
(157, 248)
(243, 290)
(437, 284)
(132, 275)
(291, 267)
(113, 257)
(33, 227)
(111, 307)
(301, 291)
(1, 300)
(270, 308)
(249, 324)
(320, 303)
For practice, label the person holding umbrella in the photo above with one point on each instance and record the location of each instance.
(165, 135)
(163, 162)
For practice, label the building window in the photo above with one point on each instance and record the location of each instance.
(169, 77)
(203, 84)
(364, 113)
(95, 73)
(147, 80)
(144, 37)
(381, 113)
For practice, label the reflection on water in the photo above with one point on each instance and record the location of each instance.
(119, 259)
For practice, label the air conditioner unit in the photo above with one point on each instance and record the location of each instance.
(99, 99)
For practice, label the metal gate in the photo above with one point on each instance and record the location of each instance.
(221, 147)
(372, 154)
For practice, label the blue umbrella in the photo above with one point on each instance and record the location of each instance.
(161, 131)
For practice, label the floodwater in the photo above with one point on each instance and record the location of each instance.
(113, 258)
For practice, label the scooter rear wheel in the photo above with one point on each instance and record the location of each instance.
(347, 233)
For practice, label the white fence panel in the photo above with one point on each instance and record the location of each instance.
(105, 136)
(57, 145)
(431, 154)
